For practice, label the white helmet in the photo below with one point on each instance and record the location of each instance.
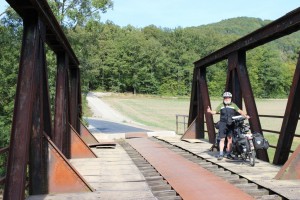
(227, 94)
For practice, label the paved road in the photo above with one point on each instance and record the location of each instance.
(104, 126)
(107, 123)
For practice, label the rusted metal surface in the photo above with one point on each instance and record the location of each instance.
(61, 118)
(188, 179)
(55, 36)
(290, 120)
(261, 175)
(194, 96)
(32, 114)
(86, 135)
(40, 123)
(239, 58)
(291, 169)
(232, 81)
(205, 103)
(22, 118)
(63, 177)
(66, 149)
(79, 149)
(236, 55)
(196, 107)
(190, 133)
(90, 140)
(74, 95)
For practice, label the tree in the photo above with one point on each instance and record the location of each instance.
(71, 13)
(9, 55)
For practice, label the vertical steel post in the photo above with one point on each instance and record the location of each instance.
(200, 110)
(240, 59)
(41, 121)
(61, 119)
(46, 99)
(290, 120)
(233, 84)
(67, 137)
(79, 101)
(22, 118)
(74, 107)
(193, 101)
(204, 95)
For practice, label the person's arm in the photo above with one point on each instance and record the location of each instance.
(211, 111)
(214, 111)
(243, 114)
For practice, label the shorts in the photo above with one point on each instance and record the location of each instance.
(225, 130)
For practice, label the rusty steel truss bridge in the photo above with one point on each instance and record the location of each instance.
(40, 146)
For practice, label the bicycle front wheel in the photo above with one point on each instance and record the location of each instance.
(252, 155)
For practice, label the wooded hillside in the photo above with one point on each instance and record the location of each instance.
(152, 59)
(160, 61)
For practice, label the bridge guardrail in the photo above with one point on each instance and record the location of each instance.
(185, 126)
(184, 122)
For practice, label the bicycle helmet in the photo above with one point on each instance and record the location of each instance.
(227, 94)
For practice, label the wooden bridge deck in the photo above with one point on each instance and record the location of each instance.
(114, 175)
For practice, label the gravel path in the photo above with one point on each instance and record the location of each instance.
(102, 110)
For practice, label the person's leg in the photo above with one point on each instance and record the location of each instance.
(229, 144)
(222, 141)
(222, 135)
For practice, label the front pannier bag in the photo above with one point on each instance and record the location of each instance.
(260, 142)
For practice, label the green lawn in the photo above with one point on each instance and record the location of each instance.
(160, 112)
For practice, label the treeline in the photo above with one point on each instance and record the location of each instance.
(151, 60)
(156, 60)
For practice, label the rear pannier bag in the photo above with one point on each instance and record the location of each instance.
(260, 142)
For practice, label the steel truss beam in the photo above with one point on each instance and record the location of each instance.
(32, 123)
(55, 37)
(27, 90)
(290, 120)
(238, 81)
(283, 26)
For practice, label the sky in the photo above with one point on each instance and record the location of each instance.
(187, 13)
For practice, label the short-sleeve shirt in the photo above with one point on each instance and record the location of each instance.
(222, 106)
(227, 112)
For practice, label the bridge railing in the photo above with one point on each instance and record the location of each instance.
(182, 125)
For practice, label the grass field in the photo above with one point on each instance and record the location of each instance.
(161, 112)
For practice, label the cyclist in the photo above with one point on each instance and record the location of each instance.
(227, 110)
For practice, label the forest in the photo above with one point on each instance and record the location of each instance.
(149, 60)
